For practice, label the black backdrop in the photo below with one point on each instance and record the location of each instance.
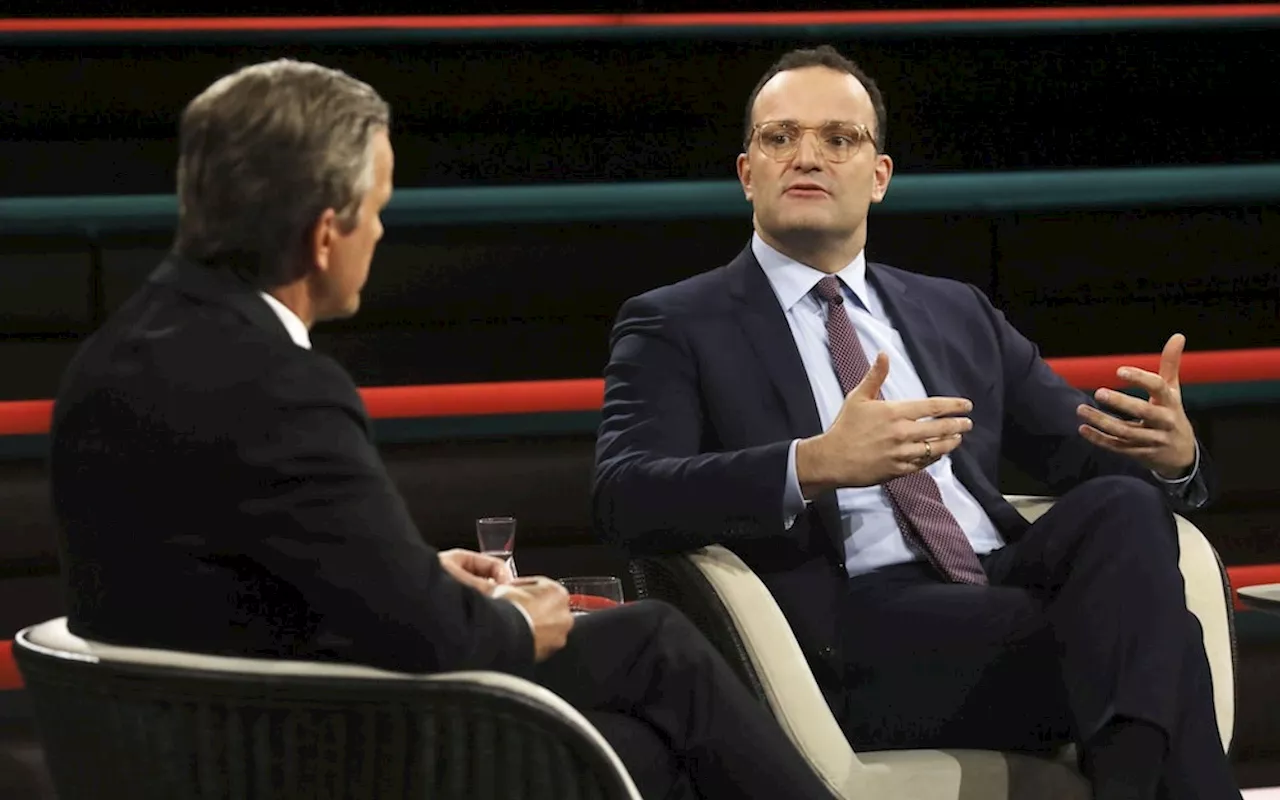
(535, 301)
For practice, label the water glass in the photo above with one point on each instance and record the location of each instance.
(497, 537)
(587, 594)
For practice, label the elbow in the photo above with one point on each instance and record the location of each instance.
(609, 517)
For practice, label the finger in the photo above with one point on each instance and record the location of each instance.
(541, 584)
(869, 387)
(1150, 382)
(1131, 435)
(489, 567)
(914, 456)
(1112, 443)
(939, 428)
(1171, 358)
(466, 578)
(945, 445)
(530, 581)
(497, 570)
(480, 565)
(1152, 416)
(932, 407)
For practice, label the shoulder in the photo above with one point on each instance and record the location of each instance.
(930, 289)
(696, 294)
(198, 364)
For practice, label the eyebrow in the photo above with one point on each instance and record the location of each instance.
(825, 122)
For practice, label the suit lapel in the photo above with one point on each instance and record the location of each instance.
(765, 325)
(916, 325)
(924, 343)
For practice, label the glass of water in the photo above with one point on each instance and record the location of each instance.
(589, 594)
(497, 538)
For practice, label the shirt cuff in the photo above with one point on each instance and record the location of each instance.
(1190, 488)
(498, 595)
(793, 502)
(1185, 479)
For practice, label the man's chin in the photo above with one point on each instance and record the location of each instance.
(809, 226)
(346, 311)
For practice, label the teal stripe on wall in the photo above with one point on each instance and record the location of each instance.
(1036, 190)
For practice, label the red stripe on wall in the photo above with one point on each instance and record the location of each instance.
(587, 394)
(676, 20)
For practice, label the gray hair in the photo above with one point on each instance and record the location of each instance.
(262, 153)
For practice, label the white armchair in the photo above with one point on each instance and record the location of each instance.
(165, 725)
(736, 611)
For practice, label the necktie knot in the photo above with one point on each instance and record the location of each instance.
(829, 290)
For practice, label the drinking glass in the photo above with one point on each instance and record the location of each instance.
(587, 594)
(497, 537)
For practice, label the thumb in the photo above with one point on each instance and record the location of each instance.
(869, 387)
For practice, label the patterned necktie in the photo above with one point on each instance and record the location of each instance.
(917, 503)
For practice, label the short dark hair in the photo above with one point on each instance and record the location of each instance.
(822, 56)
(262, 153)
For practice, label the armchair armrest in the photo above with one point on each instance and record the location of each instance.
(736, 611)
(1208, 593)
(176, 724)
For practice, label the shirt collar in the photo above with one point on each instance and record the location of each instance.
(793, 281)
(294, 325)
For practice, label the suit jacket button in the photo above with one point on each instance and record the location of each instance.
(827, 652)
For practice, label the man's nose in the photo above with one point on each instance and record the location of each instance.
(809, 152)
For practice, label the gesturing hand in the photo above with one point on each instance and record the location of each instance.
(1159, 436)
(872, 440)
(476, 570)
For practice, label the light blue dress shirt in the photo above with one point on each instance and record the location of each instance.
(871, 535)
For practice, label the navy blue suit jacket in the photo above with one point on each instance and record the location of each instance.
(705, 390)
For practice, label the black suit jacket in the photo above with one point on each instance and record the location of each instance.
(218, 492)
(705, 390)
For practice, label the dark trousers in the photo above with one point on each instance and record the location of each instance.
(1085, 619)
(680, 720)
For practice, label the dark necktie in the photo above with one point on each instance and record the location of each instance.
(923, 518)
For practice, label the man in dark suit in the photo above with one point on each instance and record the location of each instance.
(839, 425)
(218, 490)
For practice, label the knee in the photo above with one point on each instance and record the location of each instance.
(1129, 514)
(1125, 492)
(669, 628)
(660, 618)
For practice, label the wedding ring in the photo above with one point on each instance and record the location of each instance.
(928, 452)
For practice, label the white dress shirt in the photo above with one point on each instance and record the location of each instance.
(871, 535)
(292, 322)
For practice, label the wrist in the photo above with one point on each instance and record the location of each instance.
(810, 467)
(1177, 473)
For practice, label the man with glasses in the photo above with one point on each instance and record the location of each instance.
(839, 425)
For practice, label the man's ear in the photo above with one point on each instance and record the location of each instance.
(320, 241)
(744, 175)
(881, 176)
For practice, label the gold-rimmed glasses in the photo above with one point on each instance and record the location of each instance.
(838, 141)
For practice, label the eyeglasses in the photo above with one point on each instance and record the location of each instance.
(838, 141)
